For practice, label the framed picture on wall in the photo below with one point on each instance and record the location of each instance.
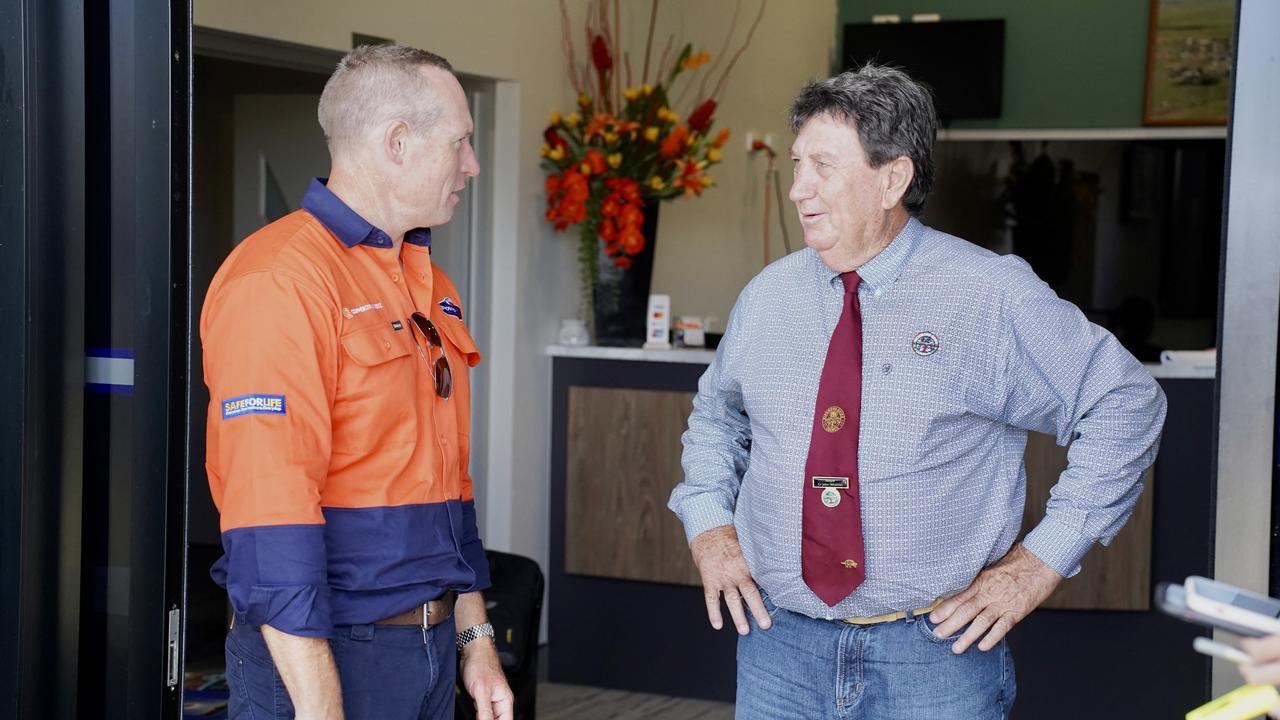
(1189, 52)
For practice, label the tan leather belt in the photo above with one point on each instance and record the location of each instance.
(890, 617)
(426, 615)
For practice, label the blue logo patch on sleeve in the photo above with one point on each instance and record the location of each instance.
(451, 308)
(253, 405)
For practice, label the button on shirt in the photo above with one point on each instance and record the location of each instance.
(340, 475)
(964, 351)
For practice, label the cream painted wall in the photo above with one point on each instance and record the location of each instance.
(707, 248)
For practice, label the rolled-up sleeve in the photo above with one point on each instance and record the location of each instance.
(717, 445)
(270, 358)
(1069, 378)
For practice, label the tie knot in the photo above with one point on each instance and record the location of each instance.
(851, 280)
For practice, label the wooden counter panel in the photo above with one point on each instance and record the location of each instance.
(1117, 577)
(623, 460)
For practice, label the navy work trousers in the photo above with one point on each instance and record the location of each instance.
(387, 673)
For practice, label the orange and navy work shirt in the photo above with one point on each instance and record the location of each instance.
(341, 477)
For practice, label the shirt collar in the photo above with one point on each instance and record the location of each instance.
(347, 225)
(882, 270)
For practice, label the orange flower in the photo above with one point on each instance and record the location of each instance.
(631, 240)
(693, 62)
(674, 144)
(596, 162)
(721, 138)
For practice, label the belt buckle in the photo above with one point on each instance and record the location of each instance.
(426, 620)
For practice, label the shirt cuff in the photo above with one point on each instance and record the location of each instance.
(277, 576)
(1058, 545)
(702, 513)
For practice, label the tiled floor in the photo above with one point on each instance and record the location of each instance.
(576, 702)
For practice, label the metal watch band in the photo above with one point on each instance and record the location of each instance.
(475, 631)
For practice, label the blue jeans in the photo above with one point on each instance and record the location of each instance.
(386, 672)
(812, 669)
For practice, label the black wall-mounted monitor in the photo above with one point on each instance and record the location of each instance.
(961, 60)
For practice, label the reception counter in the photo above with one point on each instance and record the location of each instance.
(625, 604)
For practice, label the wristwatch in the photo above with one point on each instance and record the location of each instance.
(472, 633)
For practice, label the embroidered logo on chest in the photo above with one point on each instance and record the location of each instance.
(450, 308)
(349, 313)
(925, 344)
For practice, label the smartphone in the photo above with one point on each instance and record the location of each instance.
(1171, 599)
(1236, 605)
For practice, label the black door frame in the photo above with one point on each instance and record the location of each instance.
(67, 67)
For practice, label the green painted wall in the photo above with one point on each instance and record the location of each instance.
(1067, 63)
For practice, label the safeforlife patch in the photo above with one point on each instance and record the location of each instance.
(450, 308)
(253, 405)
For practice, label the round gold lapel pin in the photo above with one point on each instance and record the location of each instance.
(833, 419)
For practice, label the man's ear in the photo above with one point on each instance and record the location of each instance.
(394, 139)
(898, 174)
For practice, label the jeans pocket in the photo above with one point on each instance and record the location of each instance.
(769, 606)
(927, 630)
(239, 702)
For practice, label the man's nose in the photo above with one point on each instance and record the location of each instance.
(800, 188)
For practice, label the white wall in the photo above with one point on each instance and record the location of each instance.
(707, 248)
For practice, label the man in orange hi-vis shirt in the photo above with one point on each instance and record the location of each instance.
(338, 439)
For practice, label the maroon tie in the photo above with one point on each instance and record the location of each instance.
(831, 557)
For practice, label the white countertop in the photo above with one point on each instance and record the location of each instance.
(680, 355)
(704, 357)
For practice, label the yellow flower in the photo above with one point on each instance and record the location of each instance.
(544, 150)
(571, 120)
(702, 165)
(556, 154)
(631, 94)
(647, 89)
(615, 160)
(708, 181)
(714, 154)
(656, 183)
(555, 118)
(585, 168)
(651, 134)
(610, 138)
(584, 100)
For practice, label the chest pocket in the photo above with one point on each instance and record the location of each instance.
(373, 404)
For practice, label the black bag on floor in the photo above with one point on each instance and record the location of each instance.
(514, 603)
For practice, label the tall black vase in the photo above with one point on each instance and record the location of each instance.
(622, 294)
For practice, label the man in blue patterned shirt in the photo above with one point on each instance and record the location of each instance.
(956, 354)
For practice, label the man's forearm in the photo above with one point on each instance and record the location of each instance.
(470, 611)
(306, 666)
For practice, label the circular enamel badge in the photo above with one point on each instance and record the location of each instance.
(833, 419)
(925, 344)
(831, 497)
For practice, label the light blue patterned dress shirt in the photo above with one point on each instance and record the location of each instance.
(940, 459)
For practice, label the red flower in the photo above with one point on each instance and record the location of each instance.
(600, 54)
(553, 138)
(700, 118)
(674, 144)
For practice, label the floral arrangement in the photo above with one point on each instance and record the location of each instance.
(625, 145)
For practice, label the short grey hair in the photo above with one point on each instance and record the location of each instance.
(893, 114)
(374, 84)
